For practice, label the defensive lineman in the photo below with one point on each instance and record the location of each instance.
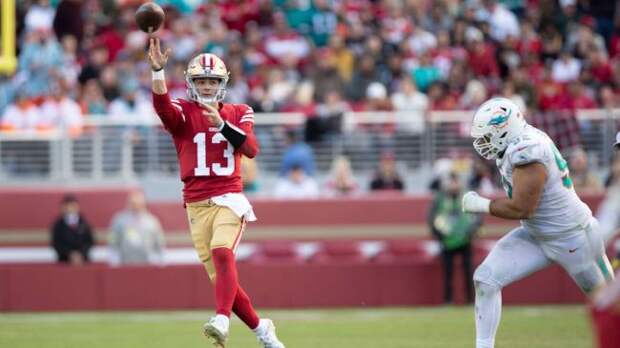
(556, 226)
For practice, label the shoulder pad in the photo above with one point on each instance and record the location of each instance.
(525, 151)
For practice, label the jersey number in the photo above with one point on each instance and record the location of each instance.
(202, 167)
(563, 166)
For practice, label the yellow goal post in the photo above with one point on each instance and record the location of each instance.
(8, 60)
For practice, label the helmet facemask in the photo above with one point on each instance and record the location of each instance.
(485, 147)
(194, 93)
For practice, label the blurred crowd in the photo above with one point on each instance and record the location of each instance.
(321, 57)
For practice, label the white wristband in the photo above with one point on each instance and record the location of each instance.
(158, 75)
(473, 203)
(483, 205)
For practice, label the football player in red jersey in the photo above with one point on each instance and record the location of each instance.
(210, 137)
(606, 303)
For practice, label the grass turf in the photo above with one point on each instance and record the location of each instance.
(527, 327)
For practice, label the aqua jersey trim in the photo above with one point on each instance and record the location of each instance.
(497, 120)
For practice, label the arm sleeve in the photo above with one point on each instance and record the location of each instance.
(170, 113)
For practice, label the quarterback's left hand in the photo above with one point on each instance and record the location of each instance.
(473, 203)
(213, 115)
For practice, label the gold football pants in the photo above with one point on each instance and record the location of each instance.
(213, 226)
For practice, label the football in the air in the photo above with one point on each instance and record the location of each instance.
(149, 17)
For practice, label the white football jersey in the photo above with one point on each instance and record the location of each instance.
(559, 209)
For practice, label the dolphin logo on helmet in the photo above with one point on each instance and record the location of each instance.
(496, 122)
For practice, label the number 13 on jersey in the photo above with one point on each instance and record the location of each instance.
(205, 169)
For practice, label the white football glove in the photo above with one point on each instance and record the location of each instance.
(473, 203)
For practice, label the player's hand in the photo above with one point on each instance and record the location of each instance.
(213, 115)
(157, 59)
(473, 203)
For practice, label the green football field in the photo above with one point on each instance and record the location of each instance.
(527, 327)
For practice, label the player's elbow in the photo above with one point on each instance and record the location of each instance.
(249, 151)
(526, 212)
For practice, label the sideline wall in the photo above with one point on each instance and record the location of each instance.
(272, 285)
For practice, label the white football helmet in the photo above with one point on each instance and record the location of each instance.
(496, 122)
(206, 65)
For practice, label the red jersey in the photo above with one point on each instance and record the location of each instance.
(209, 164)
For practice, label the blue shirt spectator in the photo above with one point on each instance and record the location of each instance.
(298, 154)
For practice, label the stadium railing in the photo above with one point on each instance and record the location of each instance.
(109, 148)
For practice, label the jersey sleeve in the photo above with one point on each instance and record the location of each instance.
(169, 111)
(525, 152)
(249, 148)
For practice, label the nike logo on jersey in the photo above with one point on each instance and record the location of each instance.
(572, 250)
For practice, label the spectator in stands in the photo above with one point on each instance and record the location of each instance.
(508, 91)
(71, 235)
(566, 68)
(414, 104)
(377, 98)
(280, 89)
(409, 98)
(59, 111)
(454, 230)
(362, 77)
(503, 23)
(326, 78)
(68, 20)
(23, 114)
(70, 68)
(475, 94)
(296, 185)
(426, 73)
(132, 106)
(284, 42)
(97, 60)
(39, 61)
(343, 57)
(341, 181)
(136, 235)
(386, 177)
(40, 16)
(298, 154)
(327, 123)
(583, 178)
(92, 100)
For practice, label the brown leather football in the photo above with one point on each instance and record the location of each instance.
(149, 16)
